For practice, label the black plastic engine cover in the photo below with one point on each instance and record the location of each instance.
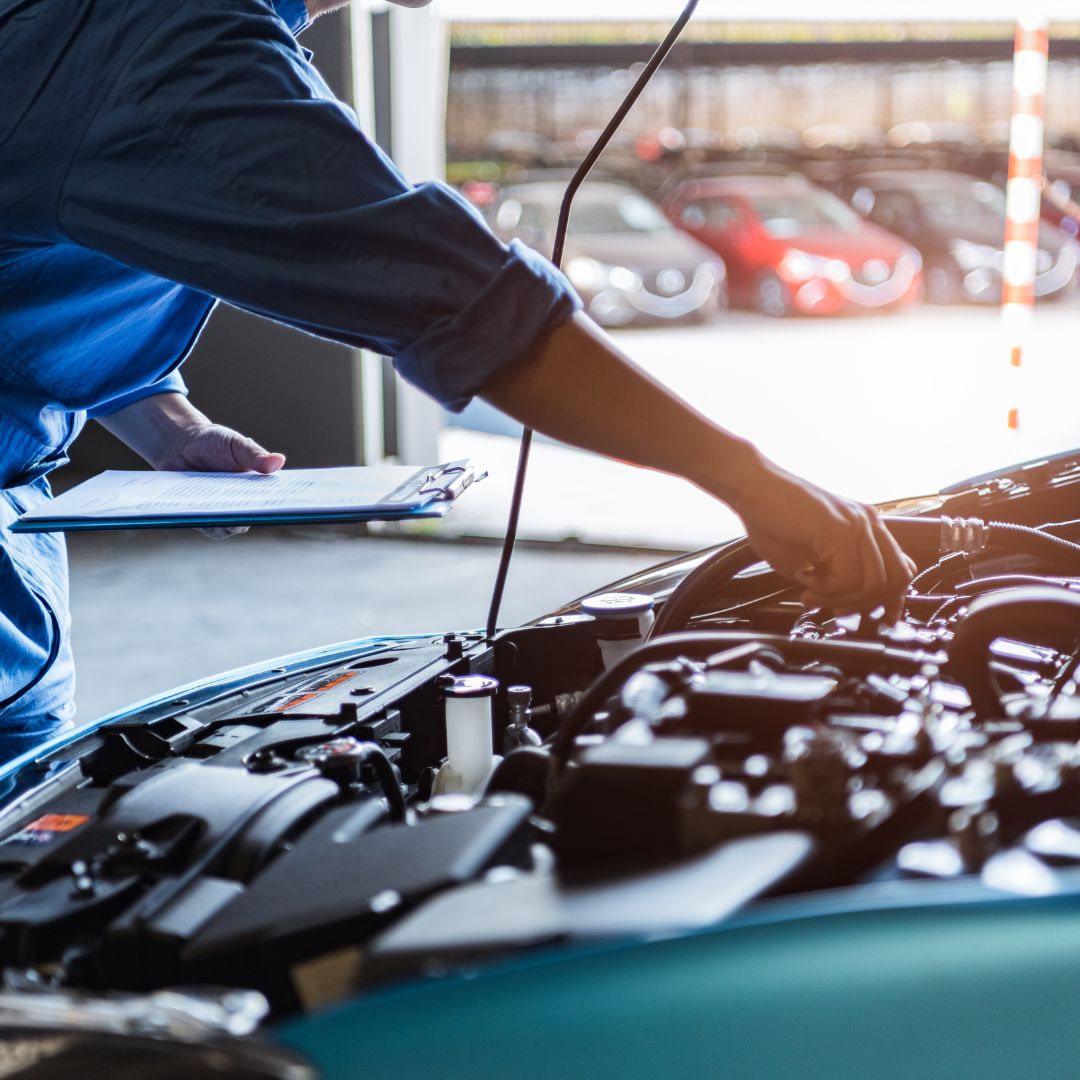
(146, 831)
(335, 887)
(211, 797)
(621, 801)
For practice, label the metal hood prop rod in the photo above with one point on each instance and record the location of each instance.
(576, 181)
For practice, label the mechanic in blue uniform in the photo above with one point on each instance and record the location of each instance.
(155, 157)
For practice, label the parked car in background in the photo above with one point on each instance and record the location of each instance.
(525, 148)
(629, 264)
(793, 248)
(958, 224)
(1061, 202)
(1061, 189)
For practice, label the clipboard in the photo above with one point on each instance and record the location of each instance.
(170, 500)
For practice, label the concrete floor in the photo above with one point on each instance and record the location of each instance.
(154, 610)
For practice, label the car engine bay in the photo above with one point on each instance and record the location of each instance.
(426, 806)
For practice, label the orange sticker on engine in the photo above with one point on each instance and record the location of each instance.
(315, 691)
(58, 823)
(337, 682)
(45, 829)
(293, 702)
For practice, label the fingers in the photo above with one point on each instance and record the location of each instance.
(899, 568)
(866, 571)
(875, 574)
(248, 454)
(838, 550)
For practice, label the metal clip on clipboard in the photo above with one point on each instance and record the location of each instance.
(450, 481)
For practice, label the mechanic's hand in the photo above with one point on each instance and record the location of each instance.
(169, 433)
(210, 447)
(206, 447)
(836, 548)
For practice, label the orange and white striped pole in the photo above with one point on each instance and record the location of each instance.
(1023, 194)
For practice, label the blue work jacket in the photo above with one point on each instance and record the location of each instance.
(155, 157)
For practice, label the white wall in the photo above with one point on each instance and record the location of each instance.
(419, 62)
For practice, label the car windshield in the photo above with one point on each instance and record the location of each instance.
(959, 205)
(788, 214)
(629, 213)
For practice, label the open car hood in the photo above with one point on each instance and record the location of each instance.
(733, 838)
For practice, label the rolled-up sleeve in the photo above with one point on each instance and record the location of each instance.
(221, 160)
(173, 383)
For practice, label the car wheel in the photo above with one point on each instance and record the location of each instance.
(773, 296)
(942, 285)
(709, 311)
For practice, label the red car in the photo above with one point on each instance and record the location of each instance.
(793, 248)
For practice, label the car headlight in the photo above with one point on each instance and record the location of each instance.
(586, 274)
(799, 265)
(719, 269)
(837, 270)
(620, 277)
(912, 258)
(976, 256)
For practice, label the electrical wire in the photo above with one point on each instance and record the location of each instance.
(576, 181)
(945, 569)
(732, 611)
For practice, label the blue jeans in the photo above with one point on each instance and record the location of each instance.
(37, 676)
(16, 740)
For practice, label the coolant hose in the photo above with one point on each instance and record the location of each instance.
(1027, 613)
(972, 536)
(681, 605)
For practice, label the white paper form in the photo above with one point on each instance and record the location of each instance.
(116, 494)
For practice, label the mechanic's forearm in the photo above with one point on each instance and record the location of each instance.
(577, 387)
(155, 427)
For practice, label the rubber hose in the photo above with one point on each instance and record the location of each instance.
(383, 767)
(718, 568)
(1033, 542)
(1001, 536)
(1018, 613)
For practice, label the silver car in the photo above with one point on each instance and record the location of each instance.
(628, 263)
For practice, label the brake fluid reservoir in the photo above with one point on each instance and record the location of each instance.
(622, 622)
(469, 750)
